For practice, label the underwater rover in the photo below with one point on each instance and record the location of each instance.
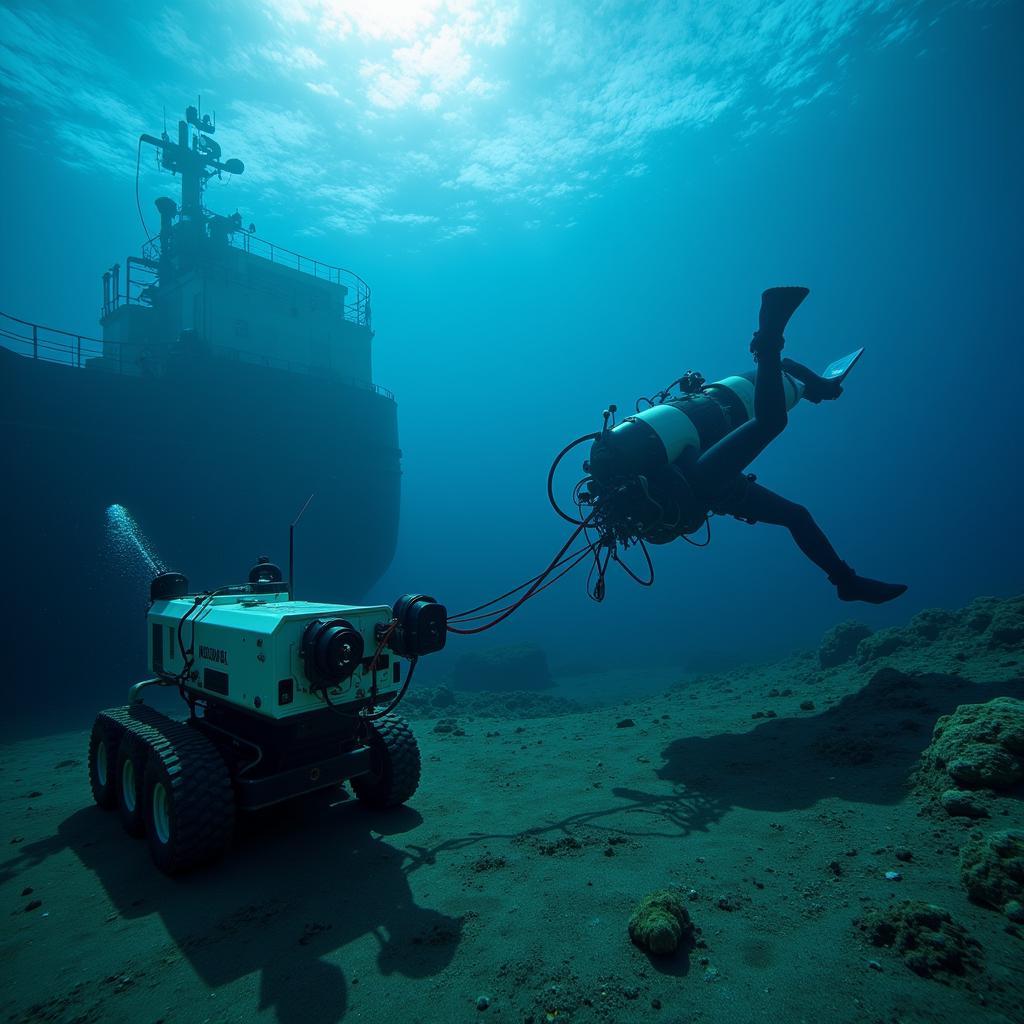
(284, 698)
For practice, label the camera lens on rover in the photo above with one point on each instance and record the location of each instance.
(338, 650)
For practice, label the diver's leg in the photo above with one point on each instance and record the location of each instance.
(758, 504)
(716, 467)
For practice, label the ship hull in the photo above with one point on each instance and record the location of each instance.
(212, 459)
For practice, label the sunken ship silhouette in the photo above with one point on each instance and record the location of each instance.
(232, 380)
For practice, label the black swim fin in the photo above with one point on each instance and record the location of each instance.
(777, 306)
(851, 587)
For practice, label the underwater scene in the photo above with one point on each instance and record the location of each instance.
(512, 512)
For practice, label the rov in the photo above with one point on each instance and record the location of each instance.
(284, 698)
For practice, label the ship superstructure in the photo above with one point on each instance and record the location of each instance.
(232, 380)
(207, 275)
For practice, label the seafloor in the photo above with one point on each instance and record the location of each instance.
(776, 797)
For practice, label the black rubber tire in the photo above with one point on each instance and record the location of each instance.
(103, 741)
(395, 765)
(188, 799)
(132, 755)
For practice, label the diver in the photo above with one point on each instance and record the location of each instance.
(659, 475)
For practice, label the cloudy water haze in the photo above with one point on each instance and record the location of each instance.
(512, 216)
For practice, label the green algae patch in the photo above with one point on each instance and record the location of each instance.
(992, 869)
(977, 747)
(927, 938)
(660, 924)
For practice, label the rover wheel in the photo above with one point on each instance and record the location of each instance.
(394, 764)
(103, 741)
(132, 754)
(188, 801)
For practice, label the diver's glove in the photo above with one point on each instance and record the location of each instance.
(777, 306)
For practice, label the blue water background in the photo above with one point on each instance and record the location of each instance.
(895, 196)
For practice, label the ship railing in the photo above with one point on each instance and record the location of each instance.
(357, 306)
(48, 344)
(52, 345)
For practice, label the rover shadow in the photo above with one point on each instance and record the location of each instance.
(863, 749)
(301, 884)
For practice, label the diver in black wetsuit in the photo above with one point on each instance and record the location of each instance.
(715, 479)
(657, 475)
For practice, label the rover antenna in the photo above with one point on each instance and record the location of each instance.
(291, 548)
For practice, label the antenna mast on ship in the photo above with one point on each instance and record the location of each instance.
(196, 157)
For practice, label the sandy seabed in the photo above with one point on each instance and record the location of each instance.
(512, 873)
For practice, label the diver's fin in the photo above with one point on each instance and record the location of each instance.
(777, 306)
(841, 367)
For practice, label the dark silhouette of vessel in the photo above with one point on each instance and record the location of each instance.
(233, 379)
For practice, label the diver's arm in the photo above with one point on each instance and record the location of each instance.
(816, 389)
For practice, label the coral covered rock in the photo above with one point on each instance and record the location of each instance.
(839, 644)
(926, 936)
(660, 923)
(978, 746)
(981, 634)
(992, 869)
(1006, 628)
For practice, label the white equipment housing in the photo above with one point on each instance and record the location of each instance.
(247, 651)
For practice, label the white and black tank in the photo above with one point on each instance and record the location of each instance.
(683, 425)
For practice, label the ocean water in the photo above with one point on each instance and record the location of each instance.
(557, 207)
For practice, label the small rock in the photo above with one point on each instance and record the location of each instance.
(626, 723)
(893, 876)
(482, 1003)
(835, 867)
(757, 714)
(874, 965)
(655, 1004)
(771, 714)
(712, 974)
(807, 705)
(27, 891)
(903, 854)
(33, 905)
(773, 692)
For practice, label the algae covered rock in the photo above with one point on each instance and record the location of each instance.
(882, 644)
(660, 923)
(930, 942)
(959, 803)
(978, 746)
(1006, 629)
(518, 667)
(992, 869)
(839, 644)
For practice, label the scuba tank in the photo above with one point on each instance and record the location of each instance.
(691, 422)
(635, 467)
